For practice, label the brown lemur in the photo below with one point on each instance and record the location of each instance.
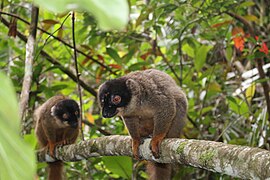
(56, 124)
(151, 105)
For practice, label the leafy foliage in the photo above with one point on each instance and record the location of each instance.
(17, 157)
(110, 14)
(201, 44)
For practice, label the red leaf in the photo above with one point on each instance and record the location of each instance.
(115, 66)
(100, 57)
(85, 60)
(238, 38)
(264, 48)
(145, 55)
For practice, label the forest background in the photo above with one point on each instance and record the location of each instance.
(217, 51)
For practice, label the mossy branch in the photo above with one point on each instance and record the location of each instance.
(234, 160)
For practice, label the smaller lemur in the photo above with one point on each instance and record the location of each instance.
(151, 105)
(56, 124)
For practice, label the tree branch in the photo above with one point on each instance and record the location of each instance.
(234, 160)
(55, 62)
(29, 60)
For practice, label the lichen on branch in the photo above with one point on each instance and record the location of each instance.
(234, 160)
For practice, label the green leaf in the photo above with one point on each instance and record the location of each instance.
(113, 53)
(200, 56)
(137, 66)
(229, 53)
(16, 156)
(214, 87)
(112, 14)
(31, 139)
(238, 105)
(186, 48)
(251, 17)
(247, 4)
(207, 109)
(121, 165)
(212, 130)
(250, 91)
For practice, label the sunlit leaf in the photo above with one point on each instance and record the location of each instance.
(16, 156)
(250, 91)
(214, 86)
(31, 139)
(121, 165)
(186, 48)
(247, 4)
(112, 14)
(90, 118)
(207, 109)
(251, 18)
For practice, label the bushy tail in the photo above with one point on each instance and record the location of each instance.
(55, 170)
(158, 171)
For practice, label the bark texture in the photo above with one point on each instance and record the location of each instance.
(29, 60)
(234, 160)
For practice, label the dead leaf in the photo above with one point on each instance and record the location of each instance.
(222, 23)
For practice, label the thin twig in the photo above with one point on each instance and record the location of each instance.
(168, 63)
(180, 48)
(60, 40)
(77, 71)
(52, 34)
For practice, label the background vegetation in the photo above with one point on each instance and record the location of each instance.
(213, 49)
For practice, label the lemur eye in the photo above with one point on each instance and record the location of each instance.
(76, 112)
(65, 116)
(116, 99)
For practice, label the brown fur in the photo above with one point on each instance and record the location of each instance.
(157, 108)
(51, 131)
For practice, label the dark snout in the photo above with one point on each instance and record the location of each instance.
(109, 112)
(73, 124)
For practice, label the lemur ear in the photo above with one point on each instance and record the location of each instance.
(53, 110)
(133, 85)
